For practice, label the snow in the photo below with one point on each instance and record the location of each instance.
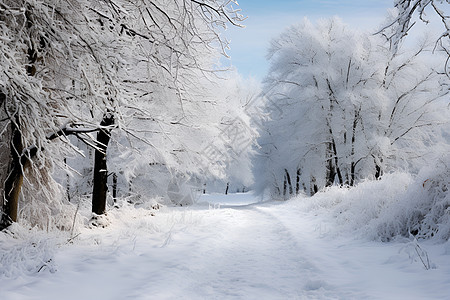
(226, 247)
(222, 200)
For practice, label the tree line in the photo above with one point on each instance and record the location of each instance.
(101, 73)
(343, 106)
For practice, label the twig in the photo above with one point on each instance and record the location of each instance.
(73, 224)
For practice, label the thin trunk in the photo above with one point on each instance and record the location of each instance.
(100, 188)
(14, 181)
(313, 188)
(336, 161)
(297, 185)
(346, 175)
(288, 179)
(114, 192)
(336, 170)
(378, 171)
(67, 181)
(353, 164)
(352, 173)
(331, 170)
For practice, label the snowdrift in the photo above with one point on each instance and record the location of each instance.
(398, 205)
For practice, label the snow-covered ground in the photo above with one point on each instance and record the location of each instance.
(226, 247)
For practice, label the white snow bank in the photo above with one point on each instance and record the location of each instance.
(398, 205)
(271, 250)
(26, 252)
(222, 200)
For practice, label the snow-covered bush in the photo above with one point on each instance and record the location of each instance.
(397, 205)
(25, 251)
(423, 210)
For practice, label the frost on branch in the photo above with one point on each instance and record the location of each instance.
(90, 68)
(343, 108)
(408, 12)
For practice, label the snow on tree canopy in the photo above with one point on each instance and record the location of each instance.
(342, 108)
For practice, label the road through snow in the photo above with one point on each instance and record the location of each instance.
(253, 251)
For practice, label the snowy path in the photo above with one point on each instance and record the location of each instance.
(260, 251)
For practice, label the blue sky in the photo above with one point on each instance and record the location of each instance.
(267, 19)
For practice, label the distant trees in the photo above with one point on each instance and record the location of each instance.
(76, 67)
(207, 142)
(341, 108)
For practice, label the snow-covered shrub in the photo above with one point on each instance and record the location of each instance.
(423, 210)
(364, 206)
(397, 205)
(43, 204)
(25, 251)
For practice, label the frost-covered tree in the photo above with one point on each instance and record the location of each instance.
(237, 135)
(341, 107)
(427, 219)
(406, 14)
(34, 49)
(321, 81)
(208, 146)
(76, 67)
(191, 146)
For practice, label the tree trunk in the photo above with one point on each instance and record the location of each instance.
(353, 164)
(331, 170)
(14, 181)
(226, 190)
(378, 171)
(352, 174)
(67, 181)
(114, 192)
(100, 188)
(297, 185)
(313, 188)
(332, 148)
(288, 178)
(336, 161)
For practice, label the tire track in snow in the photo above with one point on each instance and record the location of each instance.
(235, 253)
(251, 252)
(256, 256)
(327, 256)
(253, 258)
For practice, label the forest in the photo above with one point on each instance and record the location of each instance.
(115, 111)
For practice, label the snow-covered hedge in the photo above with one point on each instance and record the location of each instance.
(397, 205)
(26, 251)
